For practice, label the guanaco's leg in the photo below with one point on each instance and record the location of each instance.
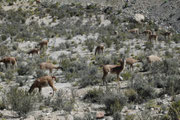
(52, 86)
(40, 89)
(104, 76)
(6, 65)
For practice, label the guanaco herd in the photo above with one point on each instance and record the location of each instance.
(150, 34)
(107, 69)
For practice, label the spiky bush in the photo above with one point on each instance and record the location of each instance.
(89, 77)
(63, 102)
(166, 75)
(20, 100)
(90, 43)
(94, 95)
(142, 87)
(114, 102)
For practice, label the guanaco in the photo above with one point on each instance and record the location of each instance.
(147, 32)
(135, 30)
(9, 60)
(167, 34)
(153, 58)
(99, 49)
(49, 66)
(43, 43)
(43, 82)
(131, 61)
(153, 36)
(113, 69)
(33, 51)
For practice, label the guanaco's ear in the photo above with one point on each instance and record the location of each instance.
(54, 77)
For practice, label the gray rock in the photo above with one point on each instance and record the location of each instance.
(109, 118)
(139, 18)
(177, 98)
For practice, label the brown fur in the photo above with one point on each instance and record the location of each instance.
(9, 60)
(43, 43)
(167, 34)
(153, 58)
(147, 32)
(152, 36)
(131, 61)
(135, 30)
(33, 51)
(43, 82)
(113, 69)
(49, 66)
(99, 49)
(38, 1)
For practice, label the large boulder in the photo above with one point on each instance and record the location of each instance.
(139, 18)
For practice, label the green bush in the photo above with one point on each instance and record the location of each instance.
(25, 69)
(89, 76)
(131, 95)
(174, 110)
(176, 38)
(114, 102)
(20, 100)
(143, 88)
(90, 43)
(94, 95)
(63, 102)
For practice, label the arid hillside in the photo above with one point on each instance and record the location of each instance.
(88, 60)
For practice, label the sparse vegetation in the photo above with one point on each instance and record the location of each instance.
(20, 100)
(70, 31)
(114, 102)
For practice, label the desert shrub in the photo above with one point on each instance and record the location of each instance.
(63, 102)
(89, 76)
(2, 104)
(62, 46)
(40, 73)
(117, 116)
(142, 87)
(174, 110)
(25, 69)
(21, 80)
(20, 100)
(102, 60)
(4, 50)
(9, 75)
(94, 95)
(90, 43)
(130, 117)
(114, 102)
(131, 95)
(108, 41)
(149, 46)
(126, 75)
(3, 37)
(165, 75)
(176, 38)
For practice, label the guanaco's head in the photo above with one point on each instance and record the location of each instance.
(122, 61)
(53, 77)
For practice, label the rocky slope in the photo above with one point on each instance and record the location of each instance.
(150, 91)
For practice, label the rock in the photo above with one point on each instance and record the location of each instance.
(100, 115)
(30, 118)
(109, 118)
(125, 109)
(177, 98)
(136, 107)
(69, 117)
(139, 18)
